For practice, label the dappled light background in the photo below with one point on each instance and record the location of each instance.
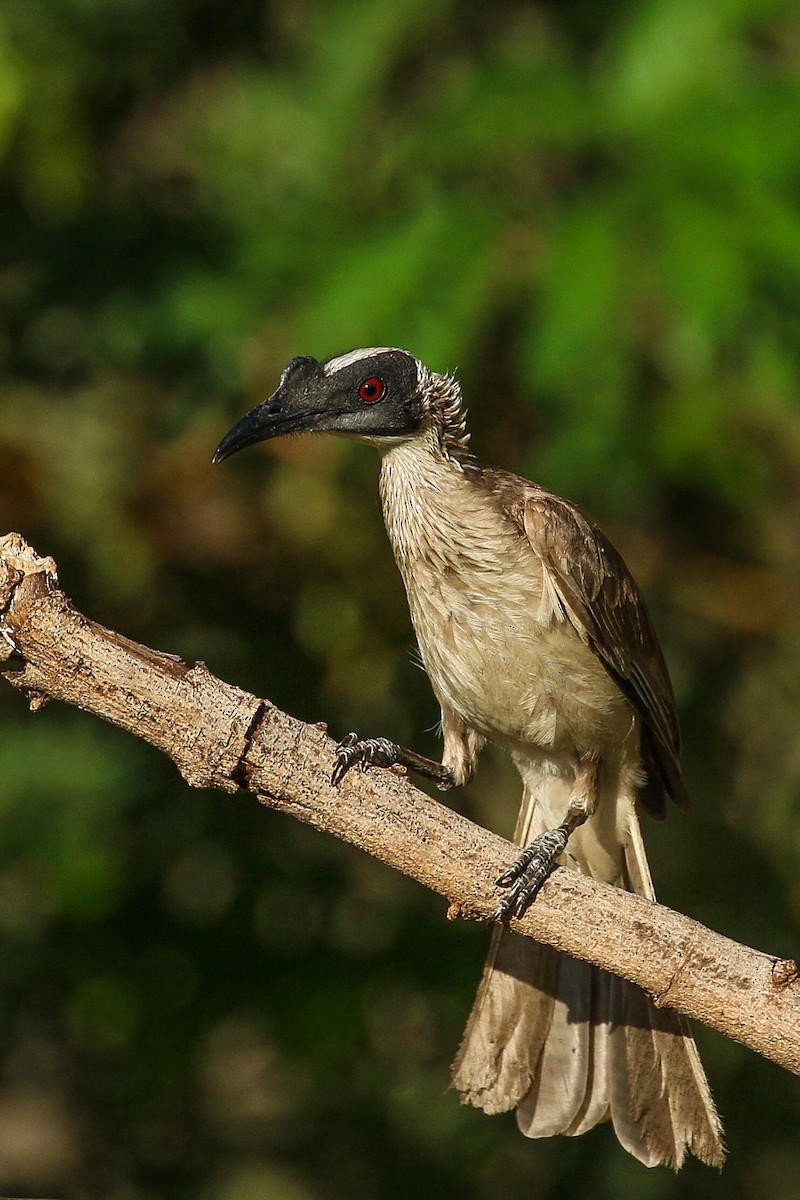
(589, 212)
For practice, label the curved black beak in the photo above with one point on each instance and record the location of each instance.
(265, 421)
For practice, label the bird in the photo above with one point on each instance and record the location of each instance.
(534, 636)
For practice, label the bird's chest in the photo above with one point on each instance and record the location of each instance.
(492, 638)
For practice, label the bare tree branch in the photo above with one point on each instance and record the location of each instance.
(220, 736)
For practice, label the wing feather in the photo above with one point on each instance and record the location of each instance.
(602, 601)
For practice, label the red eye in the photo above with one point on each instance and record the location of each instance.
(371, 390)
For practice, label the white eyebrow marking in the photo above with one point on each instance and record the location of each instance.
(354, 356)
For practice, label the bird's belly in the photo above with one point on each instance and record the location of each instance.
(514, 673)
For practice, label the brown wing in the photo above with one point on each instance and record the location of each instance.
(600, 598)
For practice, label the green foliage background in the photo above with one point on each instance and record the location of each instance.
(590, 211)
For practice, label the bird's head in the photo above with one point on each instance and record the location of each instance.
(369, 394)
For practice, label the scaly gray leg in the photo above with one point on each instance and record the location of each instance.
(380, 752)
(528, 872)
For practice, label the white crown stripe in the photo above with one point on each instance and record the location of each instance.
(354, 356)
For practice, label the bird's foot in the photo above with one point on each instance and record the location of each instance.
(366, 752)
(528, 872)
(380, 752)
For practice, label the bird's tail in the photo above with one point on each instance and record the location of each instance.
(569, 1045)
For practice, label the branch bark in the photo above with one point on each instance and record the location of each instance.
(220, 736)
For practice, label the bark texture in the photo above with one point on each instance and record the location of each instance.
(222, 737)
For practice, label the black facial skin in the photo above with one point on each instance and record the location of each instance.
(308, 400)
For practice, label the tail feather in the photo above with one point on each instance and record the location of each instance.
(595, 1107)
(639, 1090)
(510, 1020)
(661, 1103)
(561, 1084)
(569, 1045)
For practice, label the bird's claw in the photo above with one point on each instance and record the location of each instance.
(364, 752)
(528, 872)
